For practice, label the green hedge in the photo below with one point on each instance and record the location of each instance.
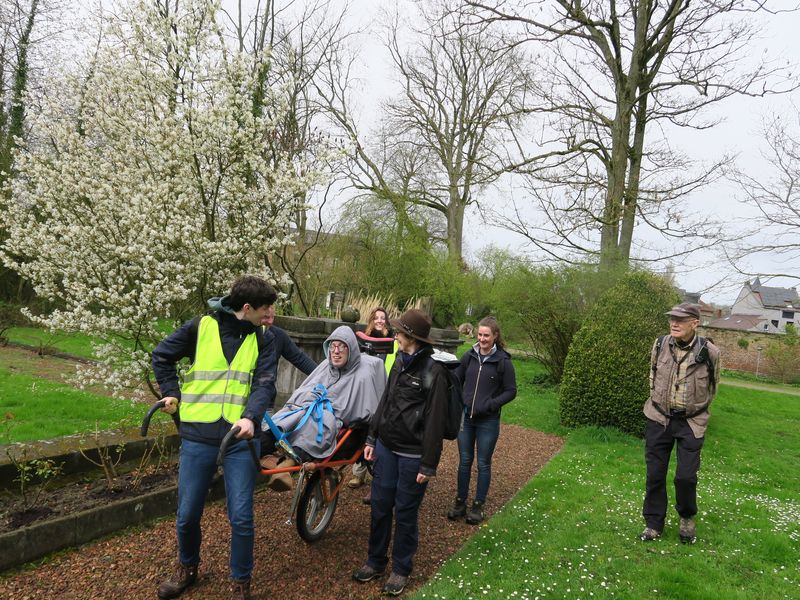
(605, 380)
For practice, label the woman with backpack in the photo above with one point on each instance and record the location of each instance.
(489, 382)
(405, 443)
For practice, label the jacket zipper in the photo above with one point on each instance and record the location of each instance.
(475, 393)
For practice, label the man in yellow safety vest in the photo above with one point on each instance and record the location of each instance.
(230, 383)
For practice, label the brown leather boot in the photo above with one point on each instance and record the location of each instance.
(240, 590)
(184, 576)
(282, 482)
(270, 461)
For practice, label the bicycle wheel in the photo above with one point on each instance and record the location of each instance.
(313, 513)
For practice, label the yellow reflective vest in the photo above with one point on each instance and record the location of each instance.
(390, 357)
(212, 388)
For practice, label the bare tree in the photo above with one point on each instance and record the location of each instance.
(453, 124)
(774, 233)
(292, 45)
(615, 79)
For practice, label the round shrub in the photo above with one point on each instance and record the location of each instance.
(606, 373)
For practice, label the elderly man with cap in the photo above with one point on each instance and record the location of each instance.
(405, 441)
(683, 380)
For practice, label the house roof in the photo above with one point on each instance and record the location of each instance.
(775, 296)
(739, 322)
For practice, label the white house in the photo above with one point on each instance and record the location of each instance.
(764, 308)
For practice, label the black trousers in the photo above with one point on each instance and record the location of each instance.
(659, 442)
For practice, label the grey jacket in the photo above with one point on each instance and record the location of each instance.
(353, 391)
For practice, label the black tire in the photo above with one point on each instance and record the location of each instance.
(314, 515)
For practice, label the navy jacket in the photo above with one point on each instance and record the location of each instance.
(485, 389)
(182, 343)
(286, 348)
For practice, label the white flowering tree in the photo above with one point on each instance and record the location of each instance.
(149, 189)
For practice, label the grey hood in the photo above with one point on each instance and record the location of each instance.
(220, 303)
(354, 391)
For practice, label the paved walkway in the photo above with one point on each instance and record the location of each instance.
(765, 387)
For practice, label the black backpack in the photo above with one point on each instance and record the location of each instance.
(455, 399)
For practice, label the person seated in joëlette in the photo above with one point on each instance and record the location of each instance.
(344, 390)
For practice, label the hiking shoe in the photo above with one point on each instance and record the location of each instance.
(268, 462)
(355, 482)
(688, 532)
(395, 585)
(240, 590)
(366, 573)
(475, 514)
(359, 477)
(649, 534)
(458, 510)
(184, 576)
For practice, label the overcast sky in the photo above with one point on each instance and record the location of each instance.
(739, 134)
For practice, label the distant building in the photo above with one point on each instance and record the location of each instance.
(708, 312)
(762, 308)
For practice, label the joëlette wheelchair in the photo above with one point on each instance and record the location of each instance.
(318, 484)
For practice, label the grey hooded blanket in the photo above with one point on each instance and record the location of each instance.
(353, 393)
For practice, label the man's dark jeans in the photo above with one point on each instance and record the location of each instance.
(658, 449)
(394, 489)
(482, 432)
(198, 463)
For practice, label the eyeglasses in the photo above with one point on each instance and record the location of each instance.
(338, 347)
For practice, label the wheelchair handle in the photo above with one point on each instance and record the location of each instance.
(223, 447)
(151, 412)
(226, 441)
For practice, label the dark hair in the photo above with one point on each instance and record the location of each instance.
(371, 319)
(252, 290)
(492, 324)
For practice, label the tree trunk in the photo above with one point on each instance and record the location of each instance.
(455, 231)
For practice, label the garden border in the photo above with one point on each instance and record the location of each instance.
(35, 541)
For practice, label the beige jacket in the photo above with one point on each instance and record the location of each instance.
(699, 390)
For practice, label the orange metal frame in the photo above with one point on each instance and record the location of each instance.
(323, 464)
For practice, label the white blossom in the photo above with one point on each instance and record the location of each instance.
(150, 187)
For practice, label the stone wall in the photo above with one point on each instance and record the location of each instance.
(309, 334)
(742, 359)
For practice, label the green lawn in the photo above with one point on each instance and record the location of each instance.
(572, 531)
(76, 344)
(71, 343)
(36, 409)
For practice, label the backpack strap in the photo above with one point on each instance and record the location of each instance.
(427, 379)
(701, 355)
(654, 364)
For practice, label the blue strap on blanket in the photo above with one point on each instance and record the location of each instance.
(281, 440)
(315, 410)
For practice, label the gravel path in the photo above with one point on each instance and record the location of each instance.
(764, 387)
(130, 565)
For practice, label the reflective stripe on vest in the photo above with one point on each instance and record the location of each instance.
(212, 388)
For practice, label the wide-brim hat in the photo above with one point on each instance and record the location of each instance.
(685, 310)
(414, 323)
